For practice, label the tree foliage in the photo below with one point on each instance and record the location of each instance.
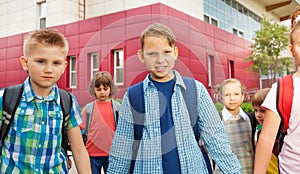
(269, 42)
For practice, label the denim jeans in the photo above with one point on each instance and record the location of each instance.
(97, 163)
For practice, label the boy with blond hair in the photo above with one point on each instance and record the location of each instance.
(33, 143)
(240, 126)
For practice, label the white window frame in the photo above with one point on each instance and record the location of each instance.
(94, 69)
(118, 66)
(42, 10)
(73, 72)
(209, 69)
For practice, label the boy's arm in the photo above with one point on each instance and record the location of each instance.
(121, 149)
(79, 151)
(266, 141)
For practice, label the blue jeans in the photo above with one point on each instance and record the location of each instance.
(97, 163)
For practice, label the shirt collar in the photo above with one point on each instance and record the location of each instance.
(227, 115)
(178, 81)
(30, 95)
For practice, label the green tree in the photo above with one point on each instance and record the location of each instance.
(269, 42)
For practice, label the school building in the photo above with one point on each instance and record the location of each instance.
(213, 37)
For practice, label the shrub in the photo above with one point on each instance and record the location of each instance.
(246, 106)
(219, 106)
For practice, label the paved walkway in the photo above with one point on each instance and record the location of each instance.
(73, 169)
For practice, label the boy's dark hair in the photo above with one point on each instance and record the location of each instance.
(102, 78)
(44, 37)
(158, 30)
(259, 97)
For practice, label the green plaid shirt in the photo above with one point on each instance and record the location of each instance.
(33, 144)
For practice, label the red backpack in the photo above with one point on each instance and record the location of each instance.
(284, 100)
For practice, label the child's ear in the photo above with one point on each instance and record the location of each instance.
(65, 66)
(140, 55)
(176, 52)
(291, 49)
(24, 62)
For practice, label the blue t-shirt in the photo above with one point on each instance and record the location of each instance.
(170, 158)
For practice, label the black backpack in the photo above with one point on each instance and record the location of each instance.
(11, 99)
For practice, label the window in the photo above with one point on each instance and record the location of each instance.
(118, 67)
(211, 20)
(227, 13)
(231, 69)
(73, 72)
(235, 31)
(206, 18)
(214, 22)
(241, 34)
(210, 70)
(94, 64)
(42, 14)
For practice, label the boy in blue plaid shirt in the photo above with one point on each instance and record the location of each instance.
(33, 143)
(168, 143)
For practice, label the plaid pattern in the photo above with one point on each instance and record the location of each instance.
(33, 144)
(239, 132)
(149, 155)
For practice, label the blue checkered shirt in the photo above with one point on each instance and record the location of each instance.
(33, 144)
(149, 157)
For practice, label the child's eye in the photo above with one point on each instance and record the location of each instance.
(262, 111)
(57, 63)
(152, 54)
(40, 61)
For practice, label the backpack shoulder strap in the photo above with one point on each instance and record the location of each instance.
(284, 100)
(136, 99)
(190, 98)
(116, 107)
(66, 104)
(137, 103)
(11, 98)
(89, 112)
(253, 122)
(285, 92)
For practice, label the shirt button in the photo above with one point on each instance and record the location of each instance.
(43, 122)
(39, 147)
